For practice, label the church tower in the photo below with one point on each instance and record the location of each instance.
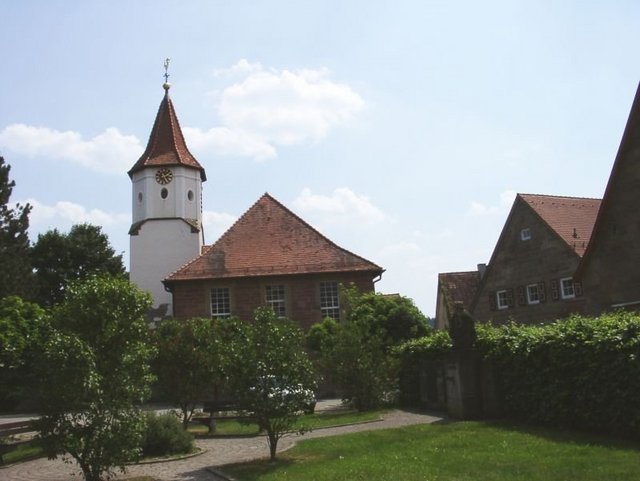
(166, 230)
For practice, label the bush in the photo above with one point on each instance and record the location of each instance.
(579, 372)
(413, 355)
(165, 436)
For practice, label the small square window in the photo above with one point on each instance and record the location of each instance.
(502, 300)
(525, 234)
(533, 295)
(567, 290)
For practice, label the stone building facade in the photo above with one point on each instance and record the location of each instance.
(529, 277)
(609, 270)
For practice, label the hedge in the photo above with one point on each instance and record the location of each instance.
(413, 355)
(582, 373)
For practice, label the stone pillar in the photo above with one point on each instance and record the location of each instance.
(463, 368)
(464, 393)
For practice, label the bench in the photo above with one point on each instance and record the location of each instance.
(7, 433)
(220, 410)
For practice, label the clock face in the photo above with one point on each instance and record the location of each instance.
(164, 176)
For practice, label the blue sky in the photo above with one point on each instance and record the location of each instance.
(400, 129)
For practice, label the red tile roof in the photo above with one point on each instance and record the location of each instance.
(166, 144)
(572, 218)
(459, 286)
(271, 240)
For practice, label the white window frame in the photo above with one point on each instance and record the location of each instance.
(567, 289)
(276, 299)
(220, 302)
(525, 234)
(533, 294)
(329, 300)
(502, 299)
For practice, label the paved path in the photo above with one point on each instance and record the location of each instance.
(218, 452)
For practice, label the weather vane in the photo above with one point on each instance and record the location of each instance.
(166, 74)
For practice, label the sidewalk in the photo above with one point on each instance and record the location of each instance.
(217, 452)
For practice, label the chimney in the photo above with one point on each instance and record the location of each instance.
(481, 270)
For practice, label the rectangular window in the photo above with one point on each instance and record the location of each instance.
(502, 300)
(525, 234)
(329, 302)
(220, 302)
(567, 290)
(275, 298)
(533, 295)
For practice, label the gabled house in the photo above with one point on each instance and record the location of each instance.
(455, 287)
(609, 269)
(529, 277)
(270, 257)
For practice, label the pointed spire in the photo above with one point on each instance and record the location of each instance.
(166, 146)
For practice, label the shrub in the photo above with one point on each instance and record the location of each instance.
(165, 436)
(579, 372)
(413, 355)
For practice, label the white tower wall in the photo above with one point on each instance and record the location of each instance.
(166, 231)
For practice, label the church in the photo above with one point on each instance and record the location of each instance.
(268, 257)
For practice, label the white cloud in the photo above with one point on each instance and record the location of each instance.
(342, 206)
(215, 224)
(266, 108)
(261, 110)
(478, 209)
(62, 215)
(109, 152)
(242, 68)
(224, 141)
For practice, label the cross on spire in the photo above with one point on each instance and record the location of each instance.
(166, 85)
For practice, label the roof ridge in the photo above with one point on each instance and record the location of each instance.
(558, 196)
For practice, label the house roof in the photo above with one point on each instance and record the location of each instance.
(459, 286)
(562, 215)
(271, 240)
(572, 218)
(624, 174)
(166, 146)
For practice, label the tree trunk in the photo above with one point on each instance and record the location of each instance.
(273, 445)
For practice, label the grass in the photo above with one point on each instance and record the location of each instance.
(309, 422)
(461, 451)
(23, 452)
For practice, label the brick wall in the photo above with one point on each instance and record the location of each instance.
(192, 299)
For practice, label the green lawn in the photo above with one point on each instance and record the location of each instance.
(310, 421)
(23, 452)
(461, 451)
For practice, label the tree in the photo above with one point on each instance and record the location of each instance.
(396, 318)
(362, 366)
(357, 354)
(60, 258)
(274, 379)
(15, 274)
(94, 370)
(191, 360)
(22, 325)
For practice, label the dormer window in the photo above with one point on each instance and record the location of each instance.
(525, 234)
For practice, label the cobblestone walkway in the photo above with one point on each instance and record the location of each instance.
(218, 452)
